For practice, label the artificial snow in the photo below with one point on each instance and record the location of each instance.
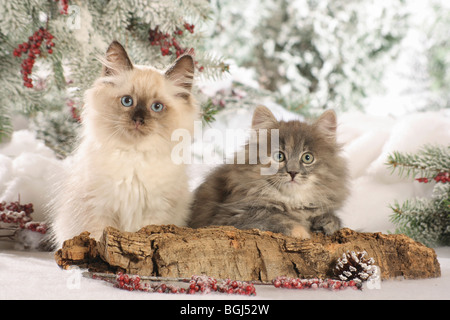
(35, 275)
(27, 171)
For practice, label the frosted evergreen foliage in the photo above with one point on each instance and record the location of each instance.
(313, 53)
(425, 219)
(81, 35)
(426, 77)
(438, 62)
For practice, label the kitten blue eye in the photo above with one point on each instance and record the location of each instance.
(307, 158)
(157, 106)
(127, 101)
(278, 156)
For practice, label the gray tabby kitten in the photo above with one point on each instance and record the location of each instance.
(309, 186)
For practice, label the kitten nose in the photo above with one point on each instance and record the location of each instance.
(138, 120)
(293, 174)
(138, 115)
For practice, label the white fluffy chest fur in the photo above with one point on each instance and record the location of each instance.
(126, 189)
(139, 187)
(142, 188)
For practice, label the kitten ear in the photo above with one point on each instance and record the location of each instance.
(327, 124)
(117, 60)
(263, 118)
(181, 72)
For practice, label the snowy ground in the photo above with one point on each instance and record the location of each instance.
(34, 275)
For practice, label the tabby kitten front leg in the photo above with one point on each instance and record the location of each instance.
(271, 217)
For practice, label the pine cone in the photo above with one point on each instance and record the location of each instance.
(354, 266)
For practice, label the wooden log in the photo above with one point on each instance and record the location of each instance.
(247, 255)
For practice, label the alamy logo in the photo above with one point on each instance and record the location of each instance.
(374, 281)
(262, 144)
(74, 17)
(73, 282)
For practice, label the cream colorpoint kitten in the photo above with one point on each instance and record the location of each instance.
(122, 173)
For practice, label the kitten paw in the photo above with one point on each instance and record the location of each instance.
(300, 232)
(327, 224)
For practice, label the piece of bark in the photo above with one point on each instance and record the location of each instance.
(81, 251)
(250, 255)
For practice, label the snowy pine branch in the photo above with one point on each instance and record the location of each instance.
(427, 162)
(425, 220)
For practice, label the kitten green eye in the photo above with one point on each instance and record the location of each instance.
(307, 158)
(127, 101)
(278, 156)
(157, 106)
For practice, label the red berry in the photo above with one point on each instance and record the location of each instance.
(277, 283)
